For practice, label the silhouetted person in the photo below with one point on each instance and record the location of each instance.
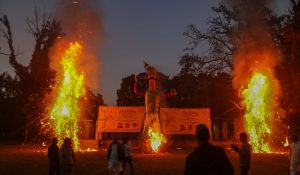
(128, 156)
(294, 155)
(67, 157)
(115, 157)
(244, 154)
(53, 155)
(207, 159)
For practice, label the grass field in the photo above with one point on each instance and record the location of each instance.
(32, 160)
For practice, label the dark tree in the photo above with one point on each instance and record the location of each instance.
(90, 103)
(9, 122)
(223, 97)
(204, 91)
(190, 65)
(8, 87)
(36, 79)
(289, 71)
(191, 91)
(126, 95)
(89, 106)
(220, 40)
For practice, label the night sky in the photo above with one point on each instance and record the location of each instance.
(134, 31)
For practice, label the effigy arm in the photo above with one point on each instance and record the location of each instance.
(171, 93)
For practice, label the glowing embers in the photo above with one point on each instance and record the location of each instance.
(156, 139)
(69, 88)
(257, 99)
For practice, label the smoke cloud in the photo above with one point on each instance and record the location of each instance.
(82, 22)
(256, 50)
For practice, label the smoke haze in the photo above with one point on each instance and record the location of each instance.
(82, 22)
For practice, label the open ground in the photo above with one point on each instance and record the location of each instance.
(32, 160)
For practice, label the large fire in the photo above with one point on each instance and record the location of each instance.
(156, 139)
(70, 87)
(258, 101)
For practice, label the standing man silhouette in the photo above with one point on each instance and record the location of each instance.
(294, 155)
(207, 159)
(244, 152)
(53, 155)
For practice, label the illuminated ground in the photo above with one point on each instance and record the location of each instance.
(30, 160)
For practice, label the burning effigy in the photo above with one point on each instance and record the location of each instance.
(152, 128)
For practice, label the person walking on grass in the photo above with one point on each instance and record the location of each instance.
(67, 157)
(128, 156)
(115, 157)
(207, 159)
(294, 155)
(53, 156)
(244, 154)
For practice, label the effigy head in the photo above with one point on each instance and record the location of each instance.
(150, 70)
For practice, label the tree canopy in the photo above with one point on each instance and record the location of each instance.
(221, 39)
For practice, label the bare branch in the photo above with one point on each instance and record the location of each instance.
(7, 34)
(221, 37)
(3, 53)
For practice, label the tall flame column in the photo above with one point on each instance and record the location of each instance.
(70, 88)
(257, 99)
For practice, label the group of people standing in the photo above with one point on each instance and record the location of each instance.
(206, 159)
(118, 156)
(61, 160)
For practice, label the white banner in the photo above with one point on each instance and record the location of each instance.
(120, 119)
(183, 121)
(130, 119)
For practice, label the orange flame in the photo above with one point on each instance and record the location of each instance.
(156, 139)
(257, 99)
(69, 88)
